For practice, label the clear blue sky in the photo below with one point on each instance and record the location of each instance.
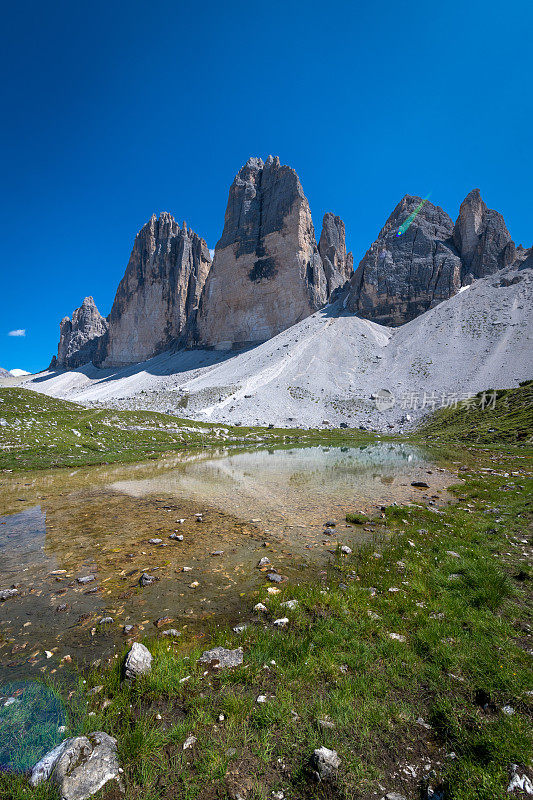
(115, 110)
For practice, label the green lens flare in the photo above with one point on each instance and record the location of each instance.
(403, 227)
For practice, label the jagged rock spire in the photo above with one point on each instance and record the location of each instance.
(159, 292)
(267, 273)
(338, 264)
(79, 336)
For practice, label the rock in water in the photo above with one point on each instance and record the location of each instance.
(267, 273)
(337, 263)
(158, 294)
(324, 764)
(400, 277)
(79, 337)
(482, 239)
(138, 661)
(80, 766)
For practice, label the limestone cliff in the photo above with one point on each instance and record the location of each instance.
(401, 276)
(158, 294)
(337, 263)
(482, 239)
(80, 336)
(267, 273)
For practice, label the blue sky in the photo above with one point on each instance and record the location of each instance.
(115, 110)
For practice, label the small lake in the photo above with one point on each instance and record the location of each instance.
(75, 542)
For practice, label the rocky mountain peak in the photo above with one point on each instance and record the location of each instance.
(267, 273)
(337, 263)
(481, 238)
(79, 337)
(159, 293)
(401, 276)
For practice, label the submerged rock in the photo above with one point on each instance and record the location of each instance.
(5, 594)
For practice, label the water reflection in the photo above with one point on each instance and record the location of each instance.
(98, 523)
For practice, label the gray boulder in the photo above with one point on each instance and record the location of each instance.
(221, 658)
(138, 661)
(324, 764)
(79, 766)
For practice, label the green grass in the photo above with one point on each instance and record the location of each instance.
(504, 416)
(42, 432)
(460, 613)
(463, 615)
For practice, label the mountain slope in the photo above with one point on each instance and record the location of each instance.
(328, 366)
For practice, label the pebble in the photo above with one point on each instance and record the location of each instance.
(264, 562)
(154, 541)
(260, 607)
(289, 604)
(346, 550)
(262, 698)
(86, 579)
(274, 577)
(171, 632)
(146, 580)
(106, 620)
(281, 622)
(190, 741)
(177, 536)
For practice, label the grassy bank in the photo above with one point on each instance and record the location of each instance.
(498, 417)
(403, 659)
(38, 432)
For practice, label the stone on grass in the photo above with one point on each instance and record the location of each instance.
(260, 607)
(171, 632)
(221, 658)
(80, 766)
(189, 742)
(281, 622)
(264, 562)
(289, 604)
(519, 782)
(324, 764)
(394, 796)
(274, 577)
(138, 661)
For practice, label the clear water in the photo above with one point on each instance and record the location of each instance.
(61, 525)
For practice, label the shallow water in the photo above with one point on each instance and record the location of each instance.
(98, 522)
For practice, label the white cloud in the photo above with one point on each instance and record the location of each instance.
(211, 253)
(20, 332)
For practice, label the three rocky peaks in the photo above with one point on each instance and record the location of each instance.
(268, 272)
